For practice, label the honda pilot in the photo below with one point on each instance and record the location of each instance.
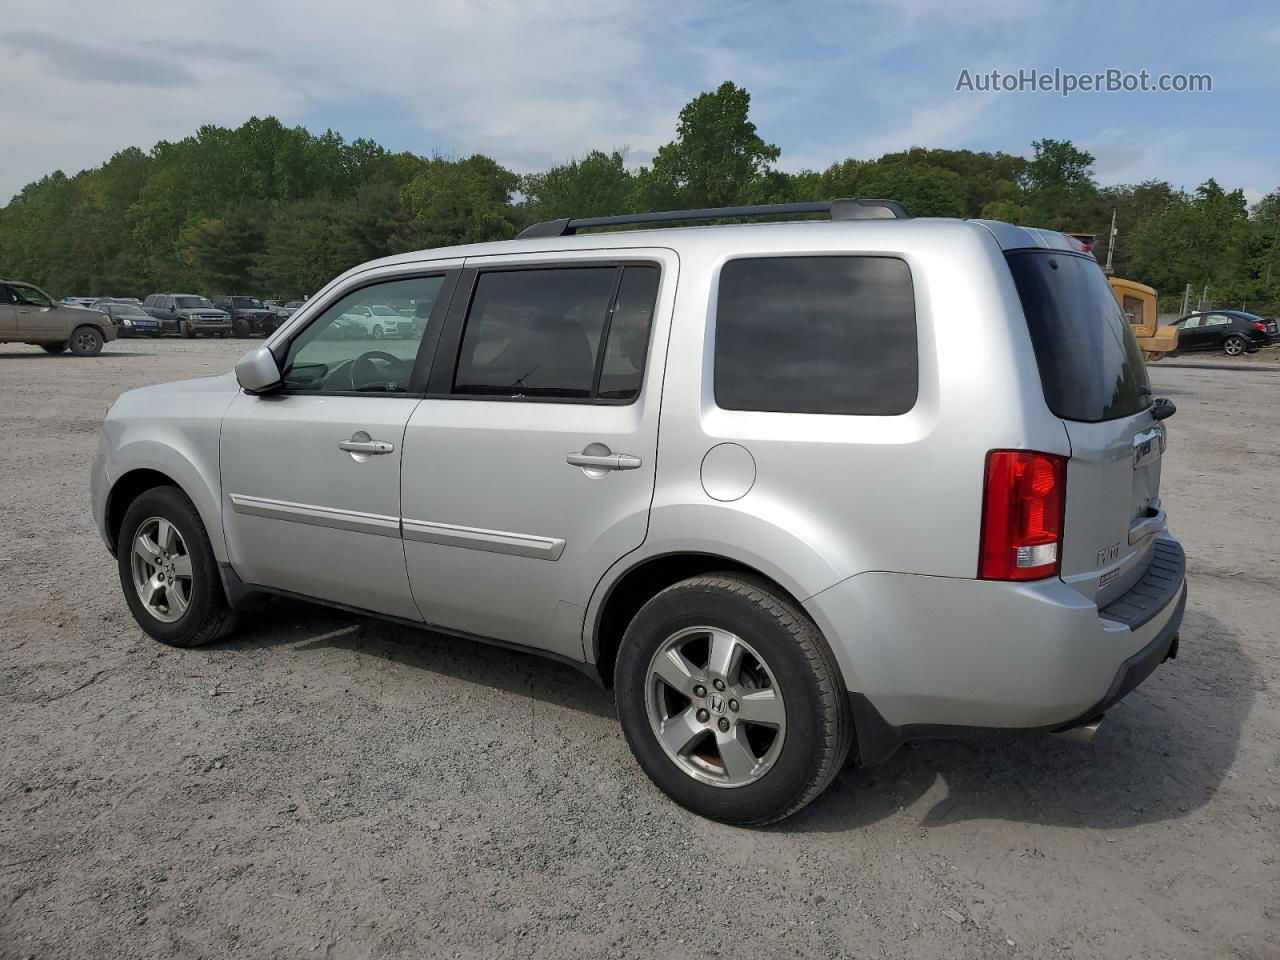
(798, 491)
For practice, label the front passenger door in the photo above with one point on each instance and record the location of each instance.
(8, 316)
(311, 472)
(1190, 334)
(39, 319)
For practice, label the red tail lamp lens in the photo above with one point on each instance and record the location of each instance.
(1022, 507)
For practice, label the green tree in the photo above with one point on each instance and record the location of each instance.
(716, 158)
(461, 201)
(1059, 182)
(596, 185)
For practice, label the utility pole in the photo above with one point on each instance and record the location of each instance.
(1204, 298)
(1111, 243)
(1186, 300)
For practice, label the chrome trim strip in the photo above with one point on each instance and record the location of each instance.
(372, 523)
(492, 541)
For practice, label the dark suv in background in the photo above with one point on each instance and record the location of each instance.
(188, 314)
(1232, 331)
(250, 317)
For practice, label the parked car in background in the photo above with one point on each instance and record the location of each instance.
(130, 319)
(86, 302)
(864, 479)
(281, 309)
(293, 305)
(29, 315)
(380, 321)
(188, 315)
(1232, 331)
(250, 317)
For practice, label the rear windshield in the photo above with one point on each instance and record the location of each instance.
(1090, 366)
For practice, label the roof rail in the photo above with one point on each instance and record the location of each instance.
(847, 208)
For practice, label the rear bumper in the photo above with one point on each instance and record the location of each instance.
(942, 657)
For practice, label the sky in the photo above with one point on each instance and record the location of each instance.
(534, 82)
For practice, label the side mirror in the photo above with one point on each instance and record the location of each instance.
(1164, 408)
(257, 371)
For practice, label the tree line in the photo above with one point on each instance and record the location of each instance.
(279, 211)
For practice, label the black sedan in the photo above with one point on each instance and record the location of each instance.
(130, 319)
(1232, 331)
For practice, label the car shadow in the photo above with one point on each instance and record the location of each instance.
(1161, 753)
(308, 626)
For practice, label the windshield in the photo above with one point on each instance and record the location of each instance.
(385, 312)
(1091, 368)
(193, 303)
(247, 303)
(127, 310)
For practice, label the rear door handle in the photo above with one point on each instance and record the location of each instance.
(609, 461)
(371, 447)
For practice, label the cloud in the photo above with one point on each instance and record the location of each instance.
(533, 82)
(61, 58)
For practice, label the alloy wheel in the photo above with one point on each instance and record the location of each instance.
(161, 569)
(715, 706)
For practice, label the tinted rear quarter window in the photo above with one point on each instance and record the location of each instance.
(1091, 368)
(834, 335)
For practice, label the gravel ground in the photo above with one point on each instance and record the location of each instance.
(325, 785)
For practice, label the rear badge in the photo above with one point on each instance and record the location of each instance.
(1107, 579)
(1109, 555)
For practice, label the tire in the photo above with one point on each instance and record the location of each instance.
(197, 611)
(184, 328)
(377, 331)
(787, 763)
(53, 347)
(1234, 345)
(86, 341)
(241, 329)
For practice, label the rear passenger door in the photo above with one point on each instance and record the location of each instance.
(529, 468)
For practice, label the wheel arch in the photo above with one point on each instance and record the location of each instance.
(621, 594)
(126, 490)
(169, 468)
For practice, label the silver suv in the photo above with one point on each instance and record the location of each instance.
(791, 488)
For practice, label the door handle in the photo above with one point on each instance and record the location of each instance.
(370, 447)
(609, 461)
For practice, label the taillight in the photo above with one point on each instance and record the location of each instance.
(1259, 325)
(1022, 507)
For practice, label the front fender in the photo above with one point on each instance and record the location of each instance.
(188, 463)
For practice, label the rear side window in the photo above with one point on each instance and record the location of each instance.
(816, 335)
(1091, 368)
(558, 333)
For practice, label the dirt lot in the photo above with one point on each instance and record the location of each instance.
(325, 785)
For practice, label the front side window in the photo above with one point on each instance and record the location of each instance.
(1190, 323)
(347, 349)
(834, 335)
(30, 296)
(567, 333)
